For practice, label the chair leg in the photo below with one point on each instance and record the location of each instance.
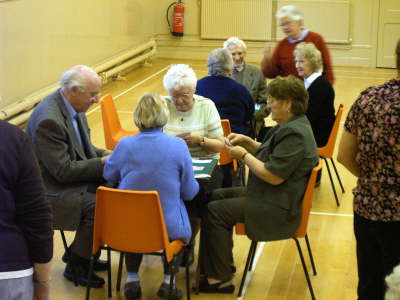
(64, 240)
(332, 183)
(68, 251)
(337, 175)
(89, 277)
(305, 269)
(252, 257)
(172, 278)
(120, 265)
(187, 282)
(310, 254)
(109, 272)
(249, 261)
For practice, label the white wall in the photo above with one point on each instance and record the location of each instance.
(42, 38)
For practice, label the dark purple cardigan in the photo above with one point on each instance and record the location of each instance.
(26, 236)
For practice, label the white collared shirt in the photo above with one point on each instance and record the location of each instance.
(310, 79)
(302, 37)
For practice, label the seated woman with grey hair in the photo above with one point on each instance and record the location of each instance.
(193, 118)
(153, 160)
(321, 111)
(232, 99)
(281, 61)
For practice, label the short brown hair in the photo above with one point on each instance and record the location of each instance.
(151, 112)
(291, 89)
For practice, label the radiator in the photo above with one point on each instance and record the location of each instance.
(246, 19)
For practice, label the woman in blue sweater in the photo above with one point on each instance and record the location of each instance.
(153, 160)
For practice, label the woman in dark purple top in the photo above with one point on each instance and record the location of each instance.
(26, 235)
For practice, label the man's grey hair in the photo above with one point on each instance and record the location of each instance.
(290, 11)
(220, 63)
(178, 77)
(235, 41)
(77, 76)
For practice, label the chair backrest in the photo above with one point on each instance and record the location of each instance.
(224, 157)
(327, 150)
(131, 221)
(111, 123)
(307, 201)
(301, 231)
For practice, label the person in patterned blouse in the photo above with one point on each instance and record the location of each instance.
(370, 149)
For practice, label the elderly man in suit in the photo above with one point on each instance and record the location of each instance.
(247, 74)
(71, 166)
(251, 77)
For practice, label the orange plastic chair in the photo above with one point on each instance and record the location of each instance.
(327, 151)
(113, 131)
(131, 221)
(225, 158)
(301, 232)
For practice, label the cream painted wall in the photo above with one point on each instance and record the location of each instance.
(42, 38)
(360, 52)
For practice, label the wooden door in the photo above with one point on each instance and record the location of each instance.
(388, 32)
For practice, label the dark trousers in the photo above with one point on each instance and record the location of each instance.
(82, 244)
(133, 261)
(378, 252)
(224, 211)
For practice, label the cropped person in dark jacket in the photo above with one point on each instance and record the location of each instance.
(26, 235)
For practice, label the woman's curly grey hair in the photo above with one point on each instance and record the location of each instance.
(178, 77)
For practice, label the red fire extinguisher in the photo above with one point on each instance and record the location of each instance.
(177, 18)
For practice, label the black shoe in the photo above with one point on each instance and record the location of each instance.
(163, 292)
(132, 290)
(81, 274)
(99, 265)
(233, 269)
(205, 287)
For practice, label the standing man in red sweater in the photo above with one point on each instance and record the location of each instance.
(281, 61)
